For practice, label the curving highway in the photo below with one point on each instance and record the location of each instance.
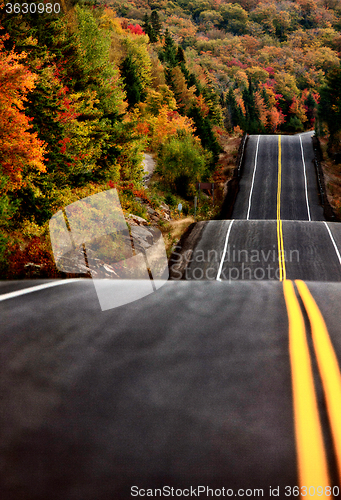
(224, 382)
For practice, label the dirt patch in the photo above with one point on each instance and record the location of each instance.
(227, 160)
(148, 164)
(174, 230)
(180, 257)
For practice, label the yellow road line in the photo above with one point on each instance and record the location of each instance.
(328, 366)
(311, 456)
(281, 259)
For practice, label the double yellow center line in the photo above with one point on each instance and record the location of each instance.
(312, 461)
(311, 455)
(281, 255)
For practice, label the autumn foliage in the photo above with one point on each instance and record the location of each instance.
(84, 94)
(135, 29)
(21, 150)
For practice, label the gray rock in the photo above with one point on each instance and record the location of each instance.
(137, 219)
(151, 211)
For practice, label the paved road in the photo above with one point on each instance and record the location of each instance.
(248, 249)
(277, 234)
(217, 380)
(276, 214)
(257, 198)
(195, 393)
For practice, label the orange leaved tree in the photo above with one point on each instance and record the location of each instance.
(20, 149)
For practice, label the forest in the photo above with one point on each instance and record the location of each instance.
(88, 87)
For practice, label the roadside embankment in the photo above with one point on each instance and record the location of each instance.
(328, 180)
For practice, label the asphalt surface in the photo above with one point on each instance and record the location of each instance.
(195, 393)
(264, 195)
(312, 252)
(189, 386)
(252, 251)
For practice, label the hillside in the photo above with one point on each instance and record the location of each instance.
(87, 91)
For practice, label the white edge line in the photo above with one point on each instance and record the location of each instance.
(253, 180)
(333, 241)
(31, 289)
(305, 181)
(224, 251)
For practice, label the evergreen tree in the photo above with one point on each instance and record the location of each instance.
(230, 110)
(146, 23)
(265, 97)
(204, 130)
(190, 78)
(252, 122)
(249, 103)
(329, 110)
(212, 101)
(133, 87)
(156, 24)
(234, 116)
(311, 107)
(169, 50)
(192, 81)
(148, 29)
(180, 56)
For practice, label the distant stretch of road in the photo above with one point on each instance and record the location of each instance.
(258, 194)
(277, 229)
(224, 382)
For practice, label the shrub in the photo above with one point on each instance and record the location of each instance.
(182, 161)
(294, 125)
(31, 260)
(170, 199)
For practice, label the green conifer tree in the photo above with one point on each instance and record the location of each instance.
(233, 115)
(204, 131)
(169, 50)
(148, 29)
(329, 109)
(311, 107)
(133, 87)
(252, 122)
(156, 24)
(180, 56)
